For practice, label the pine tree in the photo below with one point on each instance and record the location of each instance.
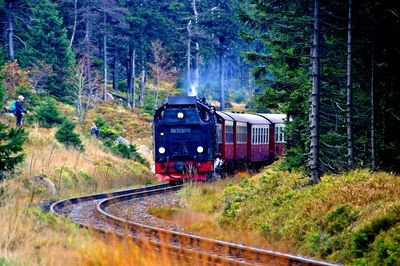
(45, 40)
(280, 67)
(66, 135)
(11, 148)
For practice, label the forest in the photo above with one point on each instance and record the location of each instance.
(331, 66)
(91, 73)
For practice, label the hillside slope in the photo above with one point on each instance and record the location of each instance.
(351, 218)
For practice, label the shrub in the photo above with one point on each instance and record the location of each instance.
(386, 248)
(107, 131)
(340, 218)
(364, 236)
(66, 135)
(48, 115)
(128, 152)
(31, 98)
(238, 96)
(99, 121)
(12, 141)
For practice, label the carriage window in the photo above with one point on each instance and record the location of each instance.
(260, 134)
(219, 133)
(241, 134)
(229, 134)
(280, 134)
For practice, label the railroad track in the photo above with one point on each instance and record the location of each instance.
(184, 245)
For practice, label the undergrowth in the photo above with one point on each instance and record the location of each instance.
(52, 171)
(352, 218)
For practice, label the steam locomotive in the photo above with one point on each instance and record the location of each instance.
(194, 141)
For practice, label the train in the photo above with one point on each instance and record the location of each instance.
(194, 141)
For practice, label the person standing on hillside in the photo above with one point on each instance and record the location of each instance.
(94, 130)
(19, 110)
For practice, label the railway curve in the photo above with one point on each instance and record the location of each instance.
(190, 246)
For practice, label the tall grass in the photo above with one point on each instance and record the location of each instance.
(344, 218)
(29, 236)
(75, 172)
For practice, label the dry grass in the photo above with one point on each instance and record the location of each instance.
(137, 127)
(74, 172)
(274, 209)
(201, 207)
(30, 237)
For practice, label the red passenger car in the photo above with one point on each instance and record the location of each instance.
(277, 131)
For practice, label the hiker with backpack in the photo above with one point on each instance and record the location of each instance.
(94, 130)
(17, 108)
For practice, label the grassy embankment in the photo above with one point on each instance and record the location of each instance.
(352, 218)
(30, 237)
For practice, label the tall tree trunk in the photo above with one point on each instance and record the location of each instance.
(197, 52)
(142, 86)
(221, 79)
(313, 163)
(129, 75)
(196, 68)
(88, 25)
(373, 149)
(350, 144)
(115, 69)
(105, 53)
(157, 90)
(11, 54)
(189, 58)
(71, 41)
(133, 74)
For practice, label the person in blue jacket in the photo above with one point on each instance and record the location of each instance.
(19, 110)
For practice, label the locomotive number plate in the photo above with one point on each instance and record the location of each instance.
(180, 130)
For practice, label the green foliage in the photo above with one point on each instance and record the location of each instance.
(365, 236)
(65, 134)
(3, 261)
(233, 196)
(128, 152)
(148, 104)
(386, 248)
(331, 220)
(31, 98)
(47, 114)
(11, 148)
(100, 121)
(109, 132)
(340, 218)
(45, 40)
(238, 96)
(280, 67)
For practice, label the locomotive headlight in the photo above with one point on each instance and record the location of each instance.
(180, 115)
(200, 149)
(161, 150)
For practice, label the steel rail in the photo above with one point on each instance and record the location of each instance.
(58, 206)
(219, 251)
